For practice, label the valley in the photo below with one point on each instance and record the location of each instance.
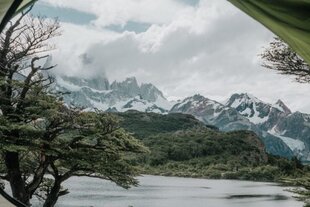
(283, 132)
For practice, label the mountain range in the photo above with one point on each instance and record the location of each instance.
(283, 132)
(115, 97)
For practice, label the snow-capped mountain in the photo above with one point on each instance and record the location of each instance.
(283, 132)
(203, 108)
(277, 119)
(117, 97)
(294, 130)
(257, 111)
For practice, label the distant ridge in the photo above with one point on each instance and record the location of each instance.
(283, 132)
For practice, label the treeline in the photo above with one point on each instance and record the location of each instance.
(180, 145)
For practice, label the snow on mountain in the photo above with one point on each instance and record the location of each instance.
(278, 120)
(202, 108)
(282, 107)
(250, 107)
(213, 113)
(295, 145)
(283, 132)
(139, 104)
(257, 111)
(118, 96)
(296, 126)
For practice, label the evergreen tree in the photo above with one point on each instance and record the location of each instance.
(39, 134)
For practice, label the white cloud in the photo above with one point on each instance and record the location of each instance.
(121, 11)
(209, 49)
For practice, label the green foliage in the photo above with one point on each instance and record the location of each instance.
(40, 135)
(302, 189)
(146, 124)
(98, 147)
(198, 151)
(197, 143)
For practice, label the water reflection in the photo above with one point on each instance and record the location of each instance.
(157, 191)
(272, 197)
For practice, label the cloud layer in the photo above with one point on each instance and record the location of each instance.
(208, 48)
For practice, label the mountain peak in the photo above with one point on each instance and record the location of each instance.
(150, 92)
(120, 96)
(198, 105)
(249, 106)
(249, 96)
(128, 86)
(282, 107)
(242, 99)
(131, 80)
(197, 97)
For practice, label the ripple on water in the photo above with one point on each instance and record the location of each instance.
(158, 191)
(272, 197)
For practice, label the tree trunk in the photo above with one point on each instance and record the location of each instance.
(53, 195)
(15, 177)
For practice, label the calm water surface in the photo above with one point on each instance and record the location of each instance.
(157, 191)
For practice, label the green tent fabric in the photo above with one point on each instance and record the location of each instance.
(8, 8)
(288, 19)
(4, 7)
(25, 4)
(7, 201)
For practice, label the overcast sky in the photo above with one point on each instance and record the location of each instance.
(183, 47)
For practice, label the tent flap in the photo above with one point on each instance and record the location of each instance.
(25, 4)
(9, 8)
(288, 19)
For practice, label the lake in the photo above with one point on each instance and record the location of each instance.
(158, 191)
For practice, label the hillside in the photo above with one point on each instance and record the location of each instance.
(146, 124)
(284, 132)
(180, 145)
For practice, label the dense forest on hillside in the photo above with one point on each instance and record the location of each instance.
(180, 145)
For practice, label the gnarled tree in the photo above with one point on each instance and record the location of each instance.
(39, 134)
(20, 44)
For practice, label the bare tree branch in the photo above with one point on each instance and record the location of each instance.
(280, 57)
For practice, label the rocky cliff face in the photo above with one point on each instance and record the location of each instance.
(117, 97)
(283, 132)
